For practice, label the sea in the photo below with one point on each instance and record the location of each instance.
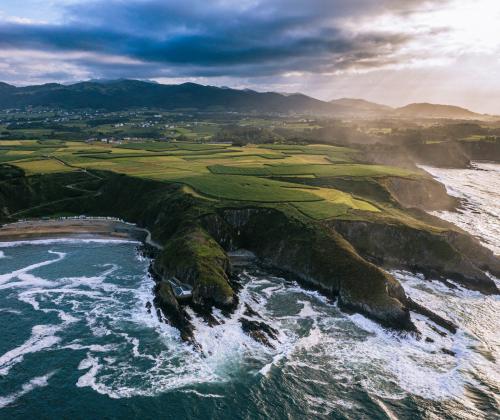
(77, 340)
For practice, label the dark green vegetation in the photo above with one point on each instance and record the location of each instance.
(118, 95)
(314, 211)
(331, 202)
(123, 94)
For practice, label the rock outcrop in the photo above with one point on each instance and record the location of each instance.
(447, 254)
(341, 258)
(424, 193)
(316, 255)
(195, 258)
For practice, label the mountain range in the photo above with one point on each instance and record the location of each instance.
(115, 95)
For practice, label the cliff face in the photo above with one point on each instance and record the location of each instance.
(440, 255)
(424, 194)
(317, 256)
(445, 154)
(20, 193)
(337, 257)
(482, 150)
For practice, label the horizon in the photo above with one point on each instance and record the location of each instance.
(253, 89)
(442, 52)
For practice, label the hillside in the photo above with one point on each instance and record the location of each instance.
(426, 110)
(116, 95)
(124, 94)
(361, 106)
(311, 211)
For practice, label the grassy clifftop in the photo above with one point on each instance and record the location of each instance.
(272, 174)
(313, 211)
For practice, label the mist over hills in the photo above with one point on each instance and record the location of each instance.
(426, 110)
(121, 94)
(361, 106)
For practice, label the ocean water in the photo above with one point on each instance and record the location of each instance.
(77, 341)
(479, 190)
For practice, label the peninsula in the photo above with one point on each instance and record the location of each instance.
(322, 213)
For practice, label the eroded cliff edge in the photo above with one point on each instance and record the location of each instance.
(339, 257)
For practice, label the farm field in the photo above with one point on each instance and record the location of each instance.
(43, 166)
(266, 174)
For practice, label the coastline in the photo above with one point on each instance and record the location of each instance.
(72, 228)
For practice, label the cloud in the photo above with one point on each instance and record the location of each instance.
(391, 51)
(195, 38)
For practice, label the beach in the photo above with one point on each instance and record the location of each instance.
(71, 228)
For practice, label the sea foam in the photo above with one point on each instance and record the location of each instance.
(51, 241)
(42, 337)
(37, 382)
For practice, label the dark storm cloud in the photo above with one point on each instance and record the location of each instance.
(221, 38)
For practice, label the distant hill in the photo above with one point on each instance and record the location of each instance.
(124, 94)
(361, 106)
(115, 95)
(425, 110)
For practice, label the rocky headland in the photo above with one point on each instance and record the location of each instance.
(345, 258)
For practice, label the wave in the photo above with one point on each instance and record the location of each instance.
(10, 244)
(124, 351)
(478, 190)
(10, 311)
(476, 344)
(42, 337)
(392, 366)
(37, 382)
(199, 394)
(4, 278)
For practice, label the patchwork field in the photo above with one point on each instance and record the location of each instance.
(265, 174)
(43, 166)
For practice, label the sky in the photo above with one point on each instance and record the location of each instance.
(388, 51)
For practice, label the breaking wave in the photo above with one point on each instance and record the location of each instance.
(479, 190)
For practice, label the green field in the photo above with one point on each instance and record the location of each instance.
(326, 170)
(43, 166)
(220, 172)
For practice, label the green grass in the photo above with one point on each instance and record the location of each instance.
(43, 166)
(320, 210)
(249, 175)
(231, 154)
(163, 146)
(334, 203)
(241, 188)
(4, 158)
(339, 170)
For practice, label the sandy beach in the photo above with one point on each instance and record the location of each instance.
(71, 227)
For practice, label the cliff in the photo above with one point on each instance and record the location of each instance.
(341, 258)
(448, 254)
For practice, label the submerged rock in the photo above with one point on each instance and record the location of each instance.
(448, 352)
(249, 312)
(259, 331)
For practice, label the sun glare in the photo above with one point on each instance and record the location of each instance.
(472, 25)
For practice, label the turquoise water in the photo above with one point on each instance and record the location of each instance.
(77, 341)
